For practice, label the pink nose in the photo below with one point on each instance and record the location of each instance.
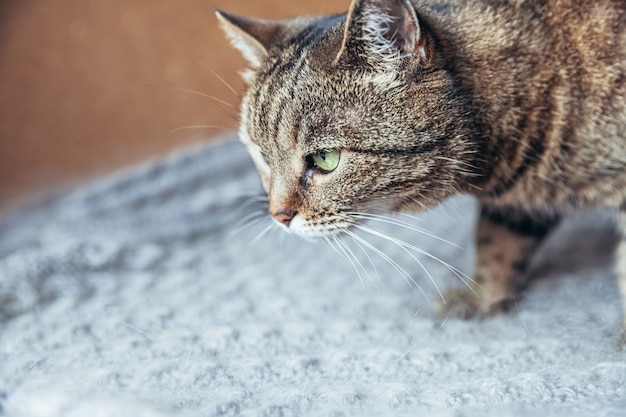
(284, 217)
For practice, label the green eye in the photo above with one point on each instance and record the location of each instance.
(326, 161)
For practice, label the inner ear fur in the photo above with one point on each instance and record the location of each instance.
(381, 32)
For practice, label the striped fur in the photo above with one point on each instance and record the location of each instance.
(520, 103)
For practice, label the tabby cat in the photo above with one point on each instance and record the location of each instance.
(399, 104)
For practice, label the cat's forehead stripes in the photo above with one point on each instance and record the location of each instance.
(280, 102)
(280, 94)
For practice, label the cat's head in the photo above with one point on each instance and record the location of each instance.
(350, 113)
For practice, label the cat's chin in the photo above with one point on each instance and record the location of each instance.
(308, 230)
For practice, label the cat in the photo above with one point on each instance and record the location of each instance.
(398, 105)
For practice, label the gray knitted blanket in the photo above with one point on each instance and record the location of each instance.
(160, 291)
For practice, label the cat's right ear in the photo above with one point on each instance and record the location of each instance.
(251, 36)
(381, 32)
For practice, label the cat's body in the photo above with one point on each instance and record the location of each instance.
(398, 105)
(549, 89)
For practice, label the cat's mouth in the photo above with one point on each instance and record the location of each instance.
(331, 225)
(320, 228)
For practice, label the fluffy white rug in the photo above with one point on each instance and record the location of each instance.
(137, 295)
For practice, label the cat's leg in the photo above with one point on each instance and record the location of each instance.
(621, 274)
(505, 242)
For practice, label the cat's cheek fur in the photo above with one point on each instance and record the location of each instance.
(262, 168)
(266, 179)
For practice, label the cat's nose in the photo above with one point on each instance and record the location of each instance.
(284, 216)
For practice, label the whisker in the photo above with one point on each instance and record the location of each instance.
(369, 277)
(450, 209)
(251, 216)
(201, 94)
(347, 254)
(281, 241)
(256, 194)
(258, 201)
(424, 269)
(219, 77)
(263, 198)
(371, 261)
(192, 127)
(458, 162)
(390, 220)
(219, 103)
(445, 320)
(248, 222)
(419, 203)
(206, 67)
(430, 277)
(407, 277)
(260, 235)
(460, 274)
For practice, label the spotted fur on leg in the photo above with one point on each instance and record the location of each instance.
(505, 243)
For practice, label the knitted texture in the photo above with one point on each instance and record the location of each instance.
(142, 295)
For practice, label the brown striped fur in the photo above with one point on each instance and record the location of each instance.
(521, 103)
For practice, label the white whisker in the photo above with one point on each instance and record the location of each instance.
(371, 261)
(430, 277)
(459, 162)
(407, 277)
(349, 255)
(390, 220)
(419, 203)
(254, 197)
(207, 68)
(254, 215)
(460, 274)
(445, 320)
(192, 127)
(201, 94)
(281, 241)
(249, 224)
(360, 246)
(259, 202)
(260, 235)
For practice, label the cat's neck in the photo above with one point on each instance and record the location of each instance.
(527, 71)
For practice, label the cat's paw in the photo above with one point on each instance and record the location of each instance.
(466, 304)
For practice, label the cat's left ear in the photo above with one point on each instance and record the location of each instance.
(252, 36)
(385, 30)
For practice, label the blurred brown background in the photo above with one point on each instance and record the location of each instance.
(89, 86)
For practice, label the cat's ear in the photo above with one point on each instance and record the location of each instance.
(252, 36)
(382, 32)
